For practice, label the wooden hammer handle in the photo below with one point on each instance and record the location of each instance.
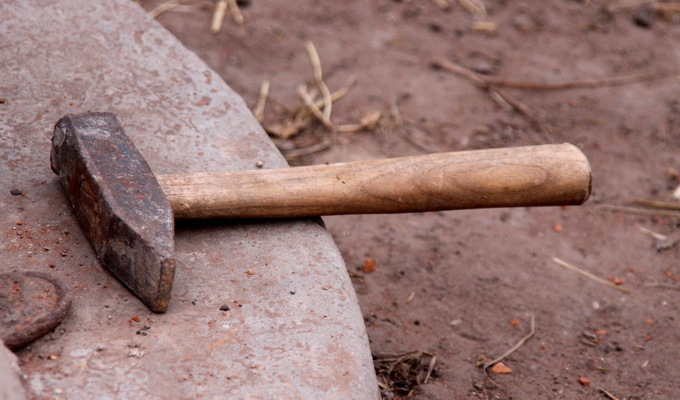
(508, 177)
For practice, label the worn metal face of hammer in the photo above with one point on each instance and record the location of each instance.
(127, 212)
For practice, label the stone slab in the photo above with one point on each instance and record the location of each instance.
(293, 329)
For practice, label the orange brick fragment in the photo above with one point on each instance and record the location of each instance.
(369, 265)
(514, 322)
(500, 368)
(584, 381)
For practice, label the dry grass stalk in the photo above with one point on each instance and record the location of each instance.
(475, 7)
(578, 84)
(258, 111)
(318, 79)
(485, 26)
(660, 204)
(661, 286)
(166, 6)
(495, 93)
(309, 102)
(300, 118)
(235, 11)
(651, 233)
(442, 4)
(623, 4)
(606, 393)
(368, 121)
(666, 8)
(639, 211)
(519, 344)
(588, 275)
(218, 16)
(400, 375)
(315, 148)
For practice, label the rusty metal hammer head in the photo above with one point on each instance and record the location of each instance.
(118, 202)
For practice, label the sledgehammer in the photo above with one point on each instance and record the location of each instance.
(127, 212)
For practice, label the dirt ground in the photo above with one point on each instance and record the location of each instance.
(463, 285)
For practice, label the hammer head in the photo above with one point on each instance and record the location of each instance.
(118, 202)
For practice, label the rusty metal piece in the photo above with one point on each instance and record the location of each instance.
(118, 202)
(31, 305)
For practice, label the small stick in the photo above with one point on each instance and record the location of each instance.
(589, 275)
(668, 205)
(606, 393)
(661, 286)
(218, 16)
(638, 211)
(258, 112)
(307, 99)
(515, 347)
(523, 109)
(580, 84)
(167, 6)
(318, 79)
(594, 83)
(486, 84)
(235, 11)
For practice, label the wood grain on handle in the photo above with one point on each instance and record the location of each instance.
(508, 177)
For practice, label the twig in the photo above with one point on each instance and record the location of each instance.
(638, 211)
(218, 16)
(661, 286)
(167, 6)
(582, 84)
(606, 393)
(258, 111)
(318, 79)
(524, 110)
(235, 11)
(667, 205)
(487, 85)
(515, 347)
(589, 275)
(579, 84)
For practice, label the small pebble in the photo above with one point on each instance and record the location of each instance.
(644, 17)
(259, 164)
(225, 308)
(16, 192)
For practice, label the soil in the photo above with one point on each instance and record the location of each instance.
(463, 286)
